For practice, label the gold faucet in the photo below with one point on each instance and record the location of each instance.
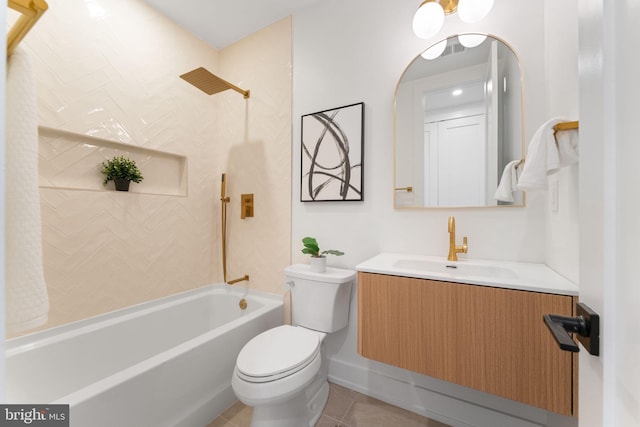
(453, 249)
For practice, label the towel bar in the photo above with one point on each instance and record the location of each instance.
(31, 11)
(565, 126)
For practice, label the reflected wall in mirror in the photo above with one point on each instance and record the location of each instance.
(458, 131)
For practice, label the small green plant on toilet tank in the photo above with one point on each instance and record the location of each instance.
(318, 259)
(121, 171)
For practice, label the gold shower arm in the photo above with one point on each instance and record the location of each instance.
(246, 94)
(209, 83)
(31, 11)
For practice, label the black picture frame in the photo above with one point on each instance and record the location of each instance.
(332, 155)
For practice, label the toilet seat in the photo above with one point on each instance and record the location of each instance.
(277, 353)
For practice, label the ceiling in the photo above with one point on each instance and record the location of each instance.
(223, 22)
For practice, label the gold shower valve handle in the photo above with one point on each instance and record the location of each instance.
(246, 206)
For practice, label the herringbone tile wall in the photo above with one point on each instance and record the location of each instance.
(110, 69)
(255, 138)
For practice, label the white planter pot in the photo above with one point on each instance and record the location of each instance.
(319, 264)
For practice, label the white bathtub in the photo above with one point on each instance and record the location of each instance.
(162, 363)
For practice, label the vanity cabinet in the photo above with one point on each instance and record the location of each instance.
(487, 338)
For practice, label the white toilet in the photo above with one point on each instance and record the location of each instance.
(282, 373)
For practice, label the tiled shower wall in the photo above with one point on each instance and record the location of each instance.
(255, 142)
(110, 69)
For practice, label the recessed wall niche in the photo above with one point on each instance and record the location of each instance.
(69, 160)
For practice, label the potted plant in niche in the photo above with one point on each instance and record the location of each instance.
(121, 171)
(318, 260)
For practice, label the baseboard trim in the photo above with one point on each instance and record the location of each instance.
(424, 401)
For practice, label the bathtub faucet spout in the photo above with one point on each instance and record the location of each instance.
(240, 279)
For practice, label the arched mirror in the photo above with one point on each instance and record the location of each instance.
(458, 126)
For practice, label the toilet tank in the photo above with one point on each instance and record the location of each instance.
(319, 301)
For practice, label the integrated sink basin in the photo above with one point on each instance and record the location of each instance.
(459, 267)
(504, 274)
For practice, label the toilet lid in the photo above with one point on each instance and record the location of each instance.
(277, 353)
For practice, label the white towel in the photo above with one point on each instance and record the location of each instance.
(508, 182)
(542, 158)
(27, 301)
(567, 141)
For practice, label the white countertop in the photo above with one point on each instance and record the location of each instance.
(524, 276)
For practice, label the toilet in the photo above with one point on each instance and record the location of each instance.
(282, 372)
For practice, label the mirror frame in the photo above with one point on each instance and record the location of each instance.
(395, 130)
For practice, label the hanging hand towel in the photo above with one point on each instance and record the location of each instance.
(567, 141)
(542, 158)
(508, 182)
(27, 302)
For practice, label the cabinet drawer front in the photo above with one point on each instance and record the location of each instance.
(486, 338)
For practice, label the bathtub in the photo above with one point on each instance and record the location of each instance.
(166, 362)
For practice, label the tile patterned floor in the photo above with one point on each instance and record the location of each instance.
(345, 408)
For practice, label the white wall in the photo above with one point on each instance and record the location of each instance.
(562, 233)
(346, 52)
(351, 52)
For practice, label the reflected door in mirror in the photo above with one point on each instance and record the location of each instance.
(458, 124)
(455, 179)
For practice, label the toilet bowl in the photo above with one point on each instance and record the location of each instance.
(281, 372)
(264, 373)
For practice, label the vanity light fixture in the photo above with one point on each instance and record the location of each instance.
(429, 17)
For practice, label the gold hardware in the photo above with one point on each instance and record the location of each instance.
(246, 206)
(566, 126)
(31, 11)
(209, 83)
(449, 6)
(407, 189)
(243, 304)
(240, 279)
(224, 199)
(453, 249)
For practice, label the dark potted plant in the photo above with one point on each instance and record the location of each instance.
(121, 171)
(318, 260)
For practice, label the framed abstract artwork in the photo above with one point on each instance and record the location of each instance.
(332, 155)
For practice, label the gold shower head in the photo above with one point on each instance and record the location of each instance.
(209, 83)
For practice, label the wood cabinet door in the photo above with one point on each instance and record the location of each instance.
(486, 338)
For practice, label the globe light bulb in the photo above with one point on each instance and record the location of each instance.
(428, 20)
